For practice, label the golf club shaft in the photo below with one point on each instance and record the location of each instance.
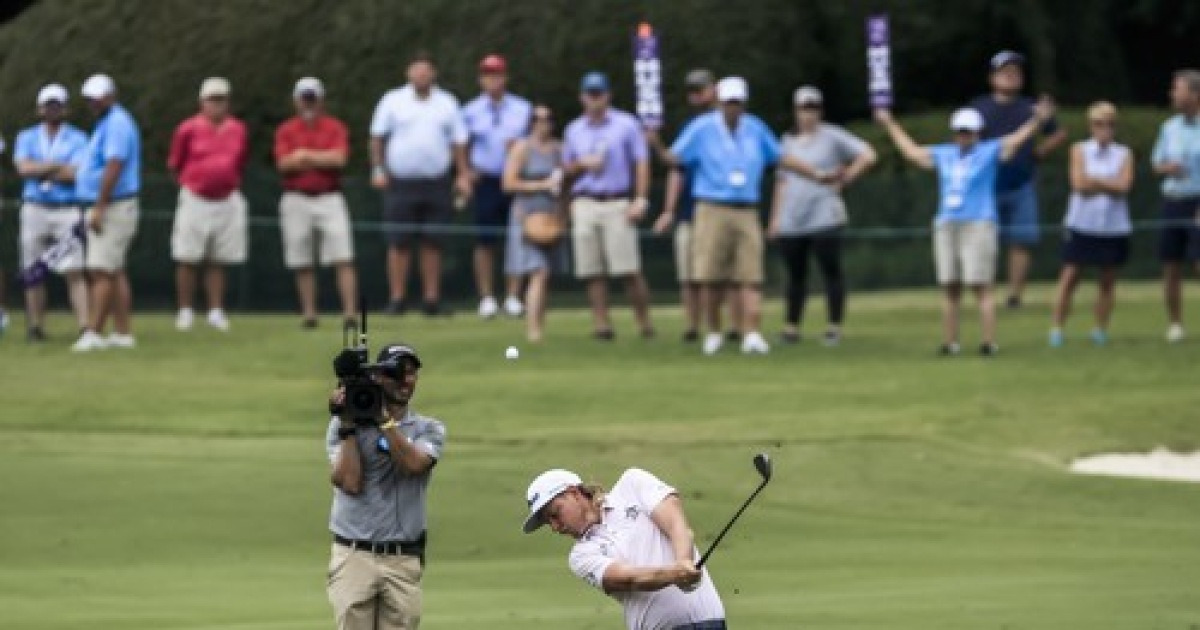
(717, 541)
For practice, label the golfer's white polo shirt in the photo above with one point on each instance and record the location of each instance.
(627, 535)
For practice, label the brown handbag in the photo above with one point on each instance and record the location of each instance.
(542, 228)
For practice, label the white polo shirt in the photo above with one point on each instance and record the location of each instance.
(419, 132)
(626, 534)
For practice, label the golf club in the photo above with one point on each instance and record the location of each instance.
(762, 464)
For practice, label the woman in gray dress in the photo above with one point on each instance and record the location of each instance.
(533, 176)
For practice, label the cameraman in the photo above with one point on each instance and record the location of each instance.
(381, 471)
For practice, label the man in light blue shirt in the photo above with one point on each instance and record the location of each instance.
(965, 236)
(45, 156)
(727, 152)
(107, 182)
(1176, 159)
(494, 119)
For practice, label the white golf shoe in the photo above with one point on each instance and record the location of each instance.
(713, 343)
(218, 320)
(753, 343)
(513, 307)
(122, 342)
(184, 319)
(89, 342)
(488, 307)
(1175, 333)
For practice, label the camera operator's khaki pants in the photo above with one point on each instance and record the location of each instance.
(374, 591)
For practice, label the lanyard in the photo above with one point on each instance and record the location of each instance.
(48, 146)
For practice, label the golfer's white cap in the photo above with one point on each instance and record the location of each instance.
(98, 86)
(542, 490)
(733, 89)
(309, 85)
(52, 93)
(966, 119)
(214, 87)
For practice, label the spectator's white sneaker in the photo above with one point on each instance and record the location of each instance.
(753, 343)
(3, 321)
(513, 307)
(488, 307)
(123, 342)
(713, 343)
(1175, 333)
(217, 319)
(184, 319)
(88, 342)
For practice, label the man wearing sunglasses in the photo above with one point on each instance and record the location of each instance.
(380, 474)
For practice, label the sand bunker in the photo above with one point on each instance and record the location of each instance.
(1157, 464)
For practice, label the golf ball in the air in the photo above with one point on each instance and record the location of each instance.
(512, 353)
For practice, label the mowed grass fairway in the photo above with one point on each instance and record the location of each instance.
(184, 485)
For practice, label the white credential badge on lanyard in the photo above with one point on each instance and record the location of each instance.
(737, 177)
(959, 172)
(48, 146)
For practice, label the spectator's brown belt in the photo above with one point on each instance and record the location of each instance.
(740, 205)
(387, 548)
(603, 197)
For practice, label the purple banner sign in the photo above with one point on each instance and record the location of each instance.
(647, 77)
(879, 62)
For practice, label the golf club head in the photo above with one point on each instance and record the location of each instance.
(762, 464)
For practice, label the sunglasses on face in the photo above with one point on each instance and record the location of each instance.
(1108, 124)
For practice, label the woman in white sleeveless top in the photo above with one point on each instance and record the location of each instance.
(1097, 224)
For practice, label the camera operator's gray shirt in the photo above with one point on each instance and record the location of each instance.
(809, 206)
(391, 506)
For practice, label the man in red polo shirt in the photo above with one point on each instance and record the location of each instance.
(207, 155)
(311, 150)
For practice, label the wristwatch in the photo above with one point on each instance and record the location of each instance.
(345, 432)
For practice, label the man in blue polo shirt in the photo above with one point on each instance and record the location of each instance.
(494, 119)
(107, 182)
(728, 151)
(45, 156)
(1004, 111)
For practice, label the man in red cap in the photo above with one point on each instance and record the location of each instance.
(494, 120)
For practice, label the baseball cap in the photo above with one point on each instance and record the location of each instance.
(493, 64)
(214, 87)
(542, 490)
(309, 85)
(594, 82)
(699, 78)
(966, 119)
(52, 93)
(807, 95)
(733, 89)
(393, 353)
(1005, 57)
(98, 86)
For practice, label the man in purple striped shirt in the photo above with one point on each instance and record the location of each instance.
(605, 154)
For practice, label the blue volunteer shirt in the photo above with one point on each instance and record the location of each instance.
(727, 166)
(966, 181)
(115, 137)
(35, 145)
(1001, 119)
(1179, 141)
(492, 127)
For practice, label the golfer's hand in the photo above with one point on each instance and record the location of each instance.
(96, 217)
(637, 210)
(687, 576)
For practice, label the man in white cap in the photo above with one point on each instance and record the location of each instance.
(311, 149)
(965, 234)
(208, 153)
(107, 181)
(729, 150)
(632, 542)
(45, 156)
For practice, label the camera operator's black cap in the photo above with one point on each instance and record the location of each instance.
(395, 352)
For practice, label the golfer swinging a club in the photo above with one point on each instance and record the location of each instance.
(634, 543)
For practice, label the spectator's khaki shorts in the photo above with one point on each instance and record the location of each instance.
(209, 231)
(42, 227)
(685, 270)
(107, 249)
(966, 252)
(315, 220)
(374, 591)
(727, 244)
(604, 240)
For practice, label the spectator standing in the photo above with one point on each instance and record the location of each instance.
(108, 180)
(311, 149)
(208, 153)
(1176, 159)
(808, 217)
(1004, 111)
(533, 175)
(1097, 222)
(965, 240)
(729, 150)
(495, 120)
(605, 153)
(417, 137)
(45, 156)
